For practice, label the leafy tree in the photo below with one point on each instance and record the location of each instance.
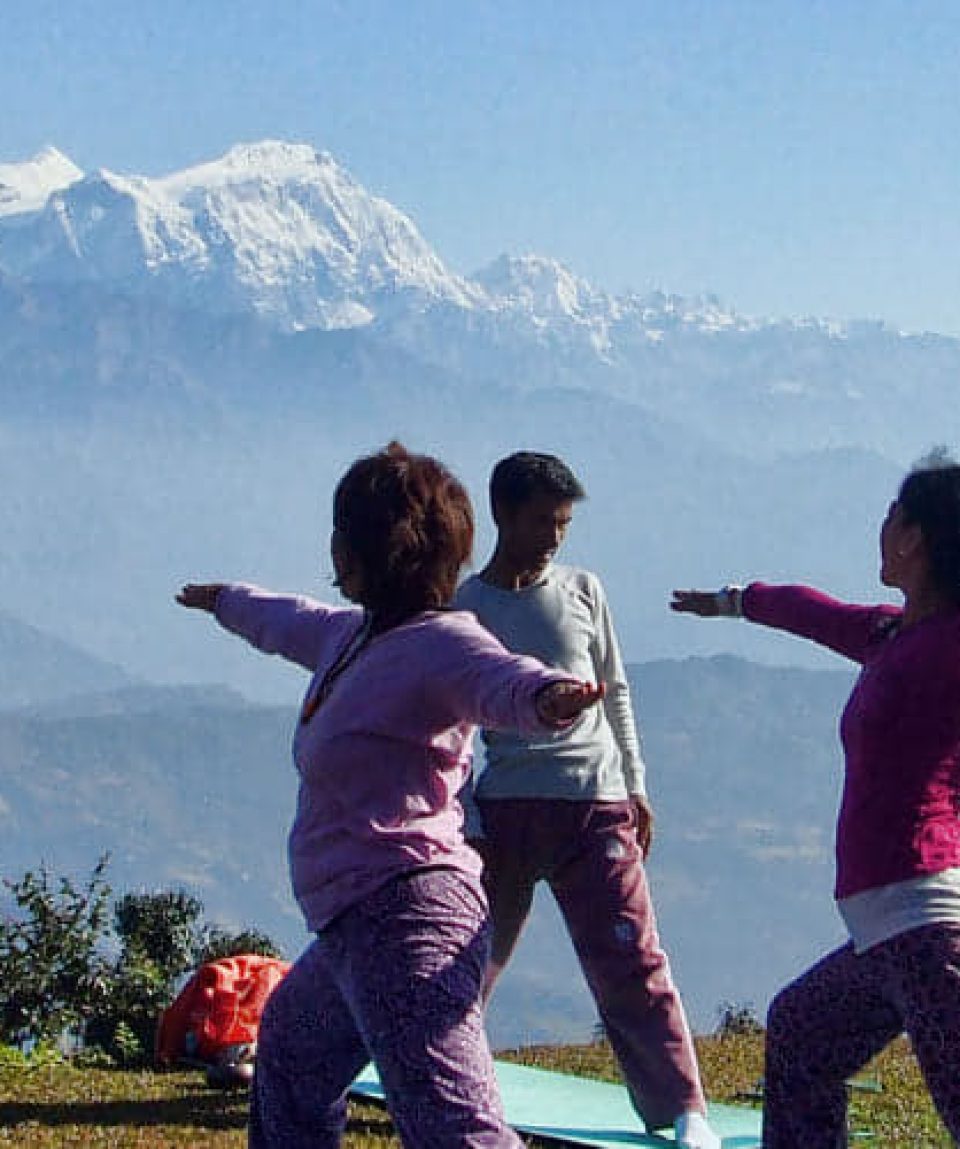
(53, 975)
(160, 935)
(220, 943)
(65, 966)
(125, 1022)
(161, 928)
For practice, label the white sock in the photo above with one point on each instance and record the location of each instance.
(693, 1132)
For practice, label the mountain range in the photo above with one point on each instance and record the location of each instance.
(193, 788)
(282, 236)
(187, 362)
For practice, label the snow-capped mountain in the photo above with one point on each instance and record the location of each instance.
(282, 232)
(281, 235)
(26, 187)
(276, 230)
(548, 293)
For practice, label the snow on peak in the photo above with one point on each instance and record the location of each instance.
(549, 291)
(275, 228)
(27, 186)
(281, 231)
(542, 286)
(263, 160)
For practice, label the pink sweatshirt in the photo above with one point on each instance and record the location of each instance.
(383, 758)
(900, 732)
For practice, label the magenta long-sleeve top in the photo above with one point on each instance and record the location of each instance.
(900, 732)
(382, 759)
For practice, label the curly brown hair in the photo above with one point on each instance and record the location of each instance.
(407, 523)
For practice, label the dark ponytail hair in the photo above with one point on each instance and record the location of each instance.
(930, 499)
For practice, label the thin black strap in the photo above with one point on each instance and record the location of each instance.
(347, 655)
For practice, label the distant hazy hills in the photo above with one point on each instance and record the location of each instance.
(36, 667)
(194, 787)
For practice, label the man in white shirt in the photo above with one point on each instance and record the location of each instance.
(571, 808)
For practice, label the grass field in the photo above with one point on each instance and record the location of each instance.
(52, 1106)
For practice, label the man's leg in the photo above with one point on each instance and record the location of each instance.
(821, 1029)
(308, 1053)
(602, 891)
(508, 876)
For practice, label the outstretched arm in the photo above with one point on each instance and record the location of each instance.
(472, 677)
(292, 626)
(846, 628)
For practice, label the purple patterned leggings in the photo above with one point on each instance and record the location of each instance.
(397, 979)
(827, 1025)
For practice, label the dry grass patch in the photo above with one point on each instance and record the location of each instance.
(53, 1106)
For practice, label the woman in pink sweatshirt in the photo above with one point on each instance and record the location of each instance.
(377, 858)
(898, 832)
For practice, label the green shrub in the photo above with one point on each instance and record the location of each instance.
(52, 972)
(44, 1053)
(66, 968)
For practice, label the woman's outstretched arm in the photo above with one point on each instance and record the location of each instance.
(846, 628)
(293, 626)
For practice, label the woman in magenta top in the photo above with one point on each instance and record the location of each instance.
(898, 831)
(377, 857)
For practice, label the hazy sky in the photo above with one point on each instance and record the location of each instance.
(795, 158)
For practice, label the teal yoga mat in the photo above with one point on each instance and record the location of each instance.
(578, 1111)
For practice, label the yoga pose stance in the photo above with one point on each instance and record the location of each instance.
(570, 808)
(898, 833)
(378, 861)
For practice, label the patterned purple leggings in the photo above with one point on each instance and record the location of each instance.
(397, 979)
(835, 1017)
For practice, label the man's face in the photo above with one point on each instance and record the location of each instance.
(531, 533)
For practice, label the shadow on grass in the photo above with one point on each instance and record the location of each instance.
(207, 1110)
(203, 1110)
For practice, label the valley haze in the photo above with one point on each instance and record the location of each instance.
(187, 364)
(193, 787)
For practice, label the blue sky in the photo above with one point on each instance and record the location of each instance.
(795, 158)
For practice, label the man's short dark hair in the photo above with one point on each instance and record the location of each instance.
(525, 474)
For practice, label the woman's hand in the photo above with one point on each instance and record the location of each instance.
(200, 595)
(561, 702)
(723, 603)
(702, 602)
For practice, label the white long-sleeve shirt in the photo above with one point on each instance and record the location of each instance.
(564, 621)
